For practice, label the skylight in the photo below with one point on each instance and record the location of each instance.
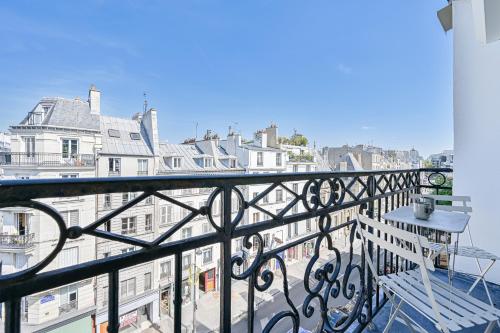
(135, 136)
(114, 133)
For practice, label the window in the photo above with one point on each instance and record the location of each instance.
(125, 198)
(148, 222)
(295, 188)
(256, 217)
(208, 162)
(105, 296)
(308, 225)
(129, 225)
(127, 288)
(265, 199)
(165, 269)
(176, 163)
(267, 239)
(207, 228)
(279, 195)
(135, 136)
(106, 254)
(289, 231)
(278, 159)
(187, 232)
(232, 163)
(107, 226)
(239, 245)
(69, 148)
(114, 166)
(68, 257)
(147, 281)
(207, 256)
(295, 168)
(68, 298)
(186, 261)
(255, 194)
(148, 200)
(69, 175)
(142, 166)
(107, 201)
(128, 249)
(29, 145)
(71, 217)
(296, 228)
(260, 158)
(113, 133)
(167, 214)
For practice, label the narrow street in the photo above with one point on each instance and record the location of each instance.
(298, 294)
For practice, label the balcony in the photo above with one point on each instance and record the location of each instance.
(68, 307)
(328, 277)
(50, 160)
(16, 242)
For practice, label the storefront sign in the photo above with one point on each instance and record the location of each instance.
(47, 298)
(128, 319)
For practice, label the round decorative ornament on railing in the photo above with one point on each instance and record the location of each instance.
(436, 179)
(63, 235)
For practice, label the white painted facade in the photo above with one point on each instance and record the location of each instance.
(476, 103)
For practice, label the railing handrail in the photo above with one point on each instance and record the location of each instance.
(23, 189)
(17, 240)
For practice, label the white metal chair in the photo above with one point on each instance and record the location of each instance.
(448, 308)
(461, 250)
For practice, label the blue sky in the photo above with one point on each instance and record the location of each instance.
(337, 71)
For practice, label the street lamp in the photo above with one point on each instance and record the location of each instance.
(195, 269)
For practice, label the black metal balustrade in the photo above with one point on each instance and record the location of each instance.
(46, 159)
(16, 241)
(371, 192)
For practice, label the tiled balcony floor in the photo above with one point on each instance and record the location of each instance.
(460, 281)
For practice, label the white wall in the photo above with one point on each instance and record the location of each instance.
(476, 99)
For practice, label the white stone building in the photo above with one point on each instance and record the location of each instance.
(57, 139)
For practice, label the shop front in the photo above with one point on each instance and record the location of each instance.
(207, 280)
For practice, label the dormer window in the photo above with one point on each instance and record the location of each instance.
(113, 133)
(176, 162)
(208, 162)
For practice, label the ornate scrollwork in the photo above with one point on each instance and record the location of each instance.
(328, 284)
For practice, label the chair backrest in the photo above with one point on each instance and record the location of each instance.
(405, 244)
(463, 207)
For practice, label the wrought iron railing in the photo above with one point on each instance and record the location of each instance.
(46, 159)
(16, 241)
(371, 192)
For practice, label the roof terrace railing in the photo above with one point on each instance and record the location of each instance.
(370, 192)
(15, 159)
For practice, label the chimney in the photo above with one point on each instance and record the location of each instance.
(137, 117)
(233, 142)
(272, 136)
(150, 123)
(261, 137)
(94, 100)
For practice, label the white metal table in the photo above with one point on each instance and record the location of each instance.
(448, 222)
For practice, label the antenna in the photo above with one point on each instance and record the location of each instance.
(195, 130)
(145, 102)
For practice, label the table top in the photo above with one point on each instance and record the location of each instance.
(453, 222)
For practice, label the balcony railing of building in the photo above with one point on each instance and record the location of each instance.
(16, 241)
(46, 159)
(369, 192)
(68, 307)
